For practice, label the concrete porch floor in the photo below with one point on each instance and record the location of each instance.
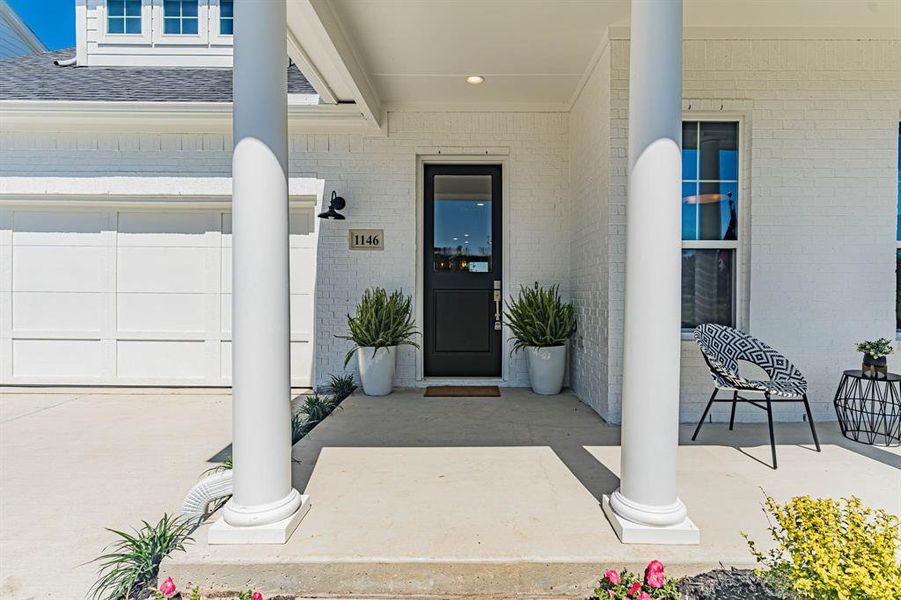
(457, 496)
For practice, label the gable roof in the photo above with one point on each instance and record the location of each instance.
(16, 37)
(37, 78)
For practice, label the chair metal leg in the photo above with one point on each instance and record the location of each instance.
(704, 416)
(813, 428)
(732, 416)
(769, 418)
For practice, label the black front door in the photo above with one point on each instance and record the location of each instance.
(462, 262)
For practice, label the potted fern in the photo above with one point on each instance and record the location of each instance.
(382, 323)
(541, 324)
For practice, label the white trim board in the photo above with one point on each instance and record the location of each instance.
(178, 117)
(114, 188)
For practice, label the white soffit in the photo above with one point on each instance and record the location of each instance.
(532, 53)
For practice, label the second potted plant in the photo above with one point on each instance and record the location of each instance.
(381, 324)
(874, 356)
(542, 324)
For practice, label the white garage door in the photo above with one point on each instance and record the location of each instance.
(132, 296)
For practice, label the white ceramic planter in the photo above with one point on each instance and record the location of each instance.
(547, 366)
(377, 369)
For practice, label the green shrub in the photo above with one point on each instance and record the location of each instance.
(342, 386)
(298, 427)
(316, 408)
(831, 549)
(134, 560)
(538, 317)
(381, 321)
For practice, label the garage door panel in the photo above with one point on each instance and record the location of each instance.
(303, 271)
(126, 295)
(55, 312)
(160, 360)
(175, 229)
(156, 313)
(59, 228)
(225, 271)
(165, 269)
(59, 268)
(301, 316)
(301, 363)
(55, 359)
(5, 265)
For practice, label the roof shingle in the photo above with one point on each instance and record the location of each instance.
(37, 78)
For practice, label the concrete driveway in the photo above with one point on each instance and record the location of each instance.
(74, 462)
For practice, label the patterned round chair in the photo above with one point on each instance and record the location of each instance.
(722, 348)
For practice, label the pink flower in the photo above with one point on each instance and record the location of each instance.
(256, 596)
(612, 576)
(168, 588)
(634, 589)
(611, 593)
(654, 579)
(643, 596)
(653, 575)
(654, 566)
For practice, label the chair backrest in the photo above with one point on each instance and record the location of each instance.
(724, 346)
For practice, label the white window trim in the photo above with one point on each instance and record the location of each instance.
(145, 37)
(203, 31)
(742, 246)
(216, 37)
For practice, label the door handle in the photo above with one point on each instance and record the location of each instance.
(497, 304)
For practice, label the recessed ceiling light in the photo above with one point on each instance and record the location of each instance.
(475, 79)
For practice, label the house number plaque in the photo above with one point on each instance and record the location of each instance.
(367, 239)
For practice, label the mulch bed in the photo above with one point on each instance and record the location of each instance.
(723, 584)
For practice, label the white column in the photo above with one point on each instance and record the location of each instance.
(645, 509)
(264, 508)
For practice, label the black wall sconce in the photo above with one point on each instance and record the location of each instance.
(335, 204)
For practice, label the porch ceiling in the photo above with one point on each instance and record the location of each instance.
(533, 53)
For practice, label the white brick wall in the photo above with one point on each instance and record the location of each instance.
(589, 181)
(822, 120)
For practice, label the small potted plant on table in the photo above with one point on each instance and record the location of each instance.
(381, 324)
(541, 324)
(875, 352)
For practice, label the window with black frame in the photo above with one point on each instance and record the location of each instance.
(710, 197)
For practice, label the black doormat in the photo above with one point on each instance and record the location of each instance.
(462, 391)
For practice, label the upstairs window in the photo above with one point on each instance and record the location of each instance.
(709, 222)
(180, 17)
(123, 16)
(226, 17)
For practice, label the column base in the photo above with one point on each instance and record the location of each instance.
(279, 532)
(682, 534)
